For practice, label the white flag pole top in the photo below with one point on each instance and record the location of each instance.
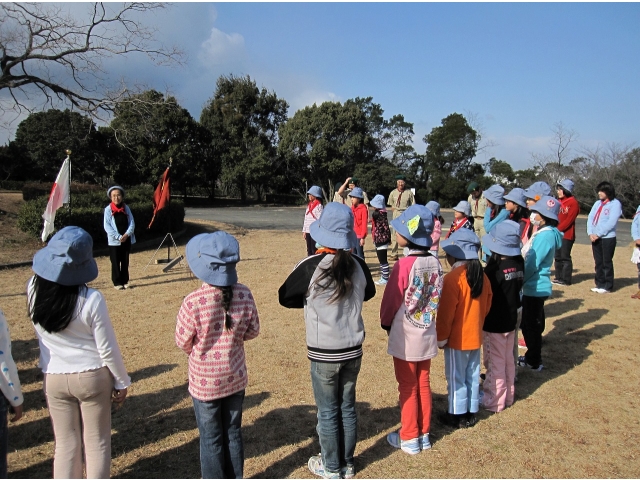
(59, 196)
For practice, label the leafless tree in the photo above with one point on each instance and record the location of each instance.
(554, 165)
(49, 57)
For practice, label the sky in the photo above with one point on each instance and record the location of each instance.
(514, 69)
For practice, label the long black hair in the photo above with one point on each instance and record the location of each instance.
(520, 213)
(475, 277)
(338, 274)
(227, 296)
(51, 305)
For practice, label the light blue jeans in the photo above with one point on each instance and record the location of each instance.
(462, 370)
(334, 388)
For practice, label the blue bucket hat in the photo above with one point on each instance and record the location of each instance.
(567, 184)
(416, 225)
(356, 192)
(212, 258)
(516, 195)
(316, 191)
(463, 207)
(67, 259)
(334, 228)
(547, 206)
(495, 194)
(504, 239)
(434, 207)
(115, 187)
(377, 202)
(538, 190)
(463, 244)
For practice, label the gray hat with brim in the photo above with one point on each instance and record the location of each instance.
(334, 228)
(67, 259)
(516, 196)
(504, 239)
(377, 202)
(434, 207)
(416, 225)
(356, 192)
(212, 258)
(316, 191)
(567, 184)
(495, 194)
(463, 207)
(463, 244)
(547, 206)
(115, 187)
(537, 190)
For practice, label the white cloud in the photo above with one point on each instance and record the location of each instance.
(222, 48)
(306, 98)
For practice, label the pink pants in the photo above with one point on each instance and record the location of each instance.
(415, 397)
(499, 389)
(80, 411)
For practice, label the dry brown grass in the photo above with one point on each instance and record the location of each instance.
(577, 418)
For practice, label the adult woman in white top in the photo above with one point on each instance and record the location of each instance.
(79, 354)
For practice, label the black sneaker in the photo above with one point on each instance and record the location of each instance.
(555, 281)
(522, 362)
(471, 419)
(453, 421)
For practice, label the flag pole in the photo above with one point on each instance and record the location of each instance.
(169, 207)
(68, 152)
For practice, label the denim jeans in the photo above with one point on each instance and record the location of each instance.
(334, 388)
(4, 436)
(221, 449)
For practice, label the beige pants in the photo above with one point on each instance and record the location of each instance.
(80, 410)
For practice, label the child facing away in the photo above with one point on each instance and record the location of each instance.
(311, 214)
(495, 214)
(538, 254)
(516, 203)
(360, 219)
(434, 207)
(464, 304)
(635, 234)
(461, 218)
(331, 287)
(11, 391)
(505, 271)
(381, 235)
(212, 325)
(407, 313)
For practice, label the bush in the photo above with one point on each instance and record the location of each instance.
(11, 184)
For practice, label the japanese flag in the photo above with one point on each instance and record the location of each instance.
(59, 196)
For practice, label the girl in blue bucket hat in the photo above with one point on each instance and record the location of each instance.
(496, 213)
(331, 288)
(212, 325)
(312, 213)
(461, 217)
(381, 235)
(505, 271)
(408, 313)
(437, 224)
(79, 354)
(516, 203)
(465, 302)
(569, 210)
(360, 219)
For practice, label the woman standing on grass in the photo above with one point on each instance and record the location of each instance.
(120, 226)
(331, 287)
(569, 210)
(213, 323)
(79, 354)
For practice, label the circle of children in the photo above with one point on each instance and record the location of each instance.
(517, 236)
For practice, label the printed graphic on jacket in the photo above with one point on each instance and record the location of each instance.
(422, 308)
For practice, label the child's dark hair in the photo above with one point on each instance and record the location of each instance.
(227, 296)
(413, 246)
(565, 192)
(52, 305)
(495, 209)
(550, 222)
(339, 274)
(520, 213)
(608, 189)
(475, 277)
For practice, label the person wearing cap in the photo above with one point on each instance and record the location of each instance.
(408, 313)
(538, 256)
(437, 224)
(569, 210)
(311, 214)
(478, 207)
(381, 235)
(601, 228)
(516, 203)
(212, 325)
(399, 200)
(343, 191)
(79, 354)
(462, 217)
(464, 304)
(11, 392)
(360, 219)
(635, 234)
(535, 192)
(505, 271)
(120, 227)
(331, 288)
(494, 196)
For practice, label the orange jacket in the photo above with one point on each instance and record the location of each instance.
(460, 318)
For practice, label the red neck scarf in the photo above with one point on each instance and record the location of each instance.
(597, 215)
(399, 198)
(115, 209)
(456, 225)
(311, 206)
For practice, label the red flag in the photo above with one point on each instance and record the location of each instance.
(59, 195)
(162, 195)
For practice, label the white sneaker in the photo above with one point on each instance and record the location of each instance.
(382, 281)
(118, 287)
(594, 289)
(601, 290)
(126, 285)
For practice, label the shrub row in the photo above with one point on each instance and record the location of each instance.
(12, 184)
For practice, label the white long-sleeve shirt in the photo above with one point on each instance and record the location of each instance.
(88, 343)
(9, 381)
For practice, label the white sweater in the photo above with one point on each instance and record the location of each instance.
(9, 381)
(88, 342)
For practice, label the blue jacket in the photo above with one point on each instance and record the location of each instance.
(635, 226)
(537, 263)
(608, 221)
(113, 237)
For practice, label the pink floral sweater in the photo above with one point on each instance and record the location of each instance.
(217, 366)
